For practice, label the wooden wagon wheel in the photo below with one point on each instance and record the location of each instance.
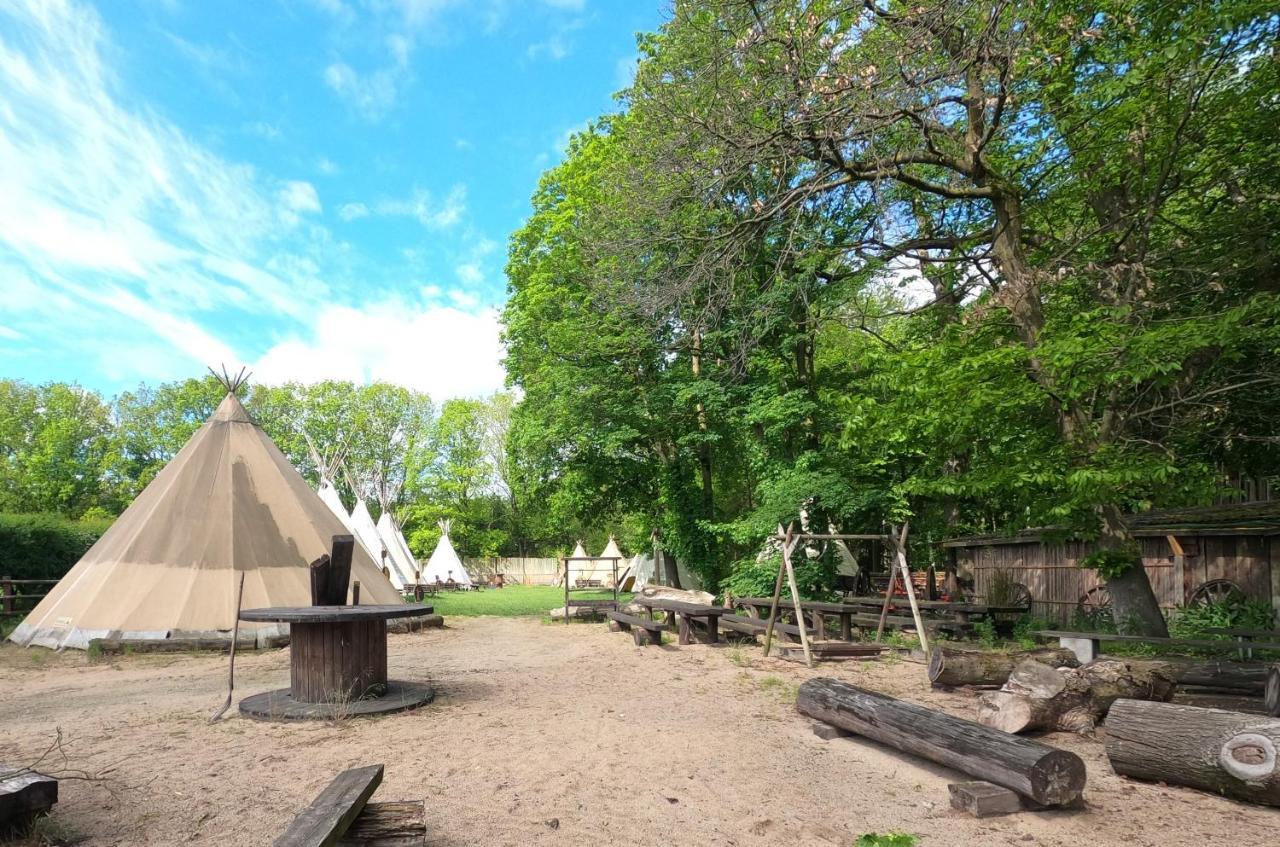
(1215, 591)
(1094, 600)
(1020, 595)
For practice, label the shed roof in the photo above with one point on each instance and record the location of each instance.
(1230, 519)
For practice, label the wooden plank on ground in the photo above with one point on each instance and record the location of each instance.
(983, 799)
(394, 824)
(331, 814)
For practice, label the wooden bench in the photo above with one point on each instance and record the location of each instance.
(342, 816)
(688, 613)
(643, 630)
(756, 626)
(1086, 644)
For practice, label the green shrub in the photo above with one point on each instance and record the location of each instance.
(1233, 612)
(44, 546)
(889, 839)
(753, 578)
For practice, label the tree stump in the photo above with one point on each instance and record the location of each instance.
(1228, 753)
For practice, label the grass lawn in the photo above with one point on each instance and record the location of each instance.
(512, 601)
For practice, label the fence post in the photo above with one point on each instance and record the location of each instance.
(6, 592)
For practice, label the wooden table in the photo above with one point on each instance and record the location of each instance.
(687, 612)
(337, 658)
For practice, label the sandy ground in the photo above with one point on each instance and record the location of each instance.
(543, 734)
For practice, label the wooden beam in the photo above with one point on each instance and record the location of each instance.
(795, 598)
(777, 593)
(331, 814)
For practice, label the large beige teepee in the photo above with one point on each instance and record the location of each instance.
(229, 503)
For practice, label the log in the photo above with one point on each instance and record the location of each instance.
(1228, 753)
(950, 666)
(1038, 697)
(1047, 775)
(1217, 676)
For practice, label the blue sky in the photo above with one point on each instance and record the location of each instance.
(312, 188)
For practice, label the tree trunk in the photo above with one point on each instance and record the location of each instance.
(1047, 775)
(1038, 697)
(949, 666)
(1210, 677)
(1133, 602)
(1229, 753)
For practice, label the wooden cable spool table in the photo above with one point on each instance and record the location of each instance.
(337, 663)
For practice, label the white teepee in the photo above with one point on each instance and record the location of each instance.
(393, 539)
(444, 564)
(228, 505)
(642, 570)
(604, 564)
(367, 531)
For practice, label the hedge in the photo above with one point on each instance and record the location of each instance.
(45, 546)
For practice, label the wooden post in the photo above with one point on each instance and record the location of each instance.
(888, 597)
(6, 594)
(931, 587)
(564, 562)
(355, 593)
(795, 598)
(900, 544)
(320, 580)
(340, 569)
(777, 592)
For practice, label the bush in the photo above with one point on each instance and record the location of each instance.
(45, 546)
(1233, 612)
(753, 578)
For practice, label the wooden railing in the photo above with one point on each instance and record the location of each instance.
(11, 593)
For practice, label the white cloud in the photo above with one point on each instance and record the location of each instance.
(353, 211)
(470, 273)
(372, 94)
(444, 351)
(463, 300)
(555, 47)
(300, 196)
(430, 213)
(263, 130)
(125, 234)
(11, 334)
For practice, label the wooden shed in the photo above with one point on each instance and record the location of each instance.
(1189, 554)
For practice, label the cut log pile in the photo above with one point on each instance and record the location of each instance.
(1039, 697)
(953, 667)
(1228, 753)
(1046, 775)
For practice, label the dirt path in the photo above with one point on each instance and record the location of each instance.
(543, 734)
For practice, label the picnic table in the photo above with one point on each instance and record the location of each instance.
(686, 613)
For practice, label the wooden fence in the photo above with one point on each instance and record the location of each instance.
(525, 570)
(18, 596)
